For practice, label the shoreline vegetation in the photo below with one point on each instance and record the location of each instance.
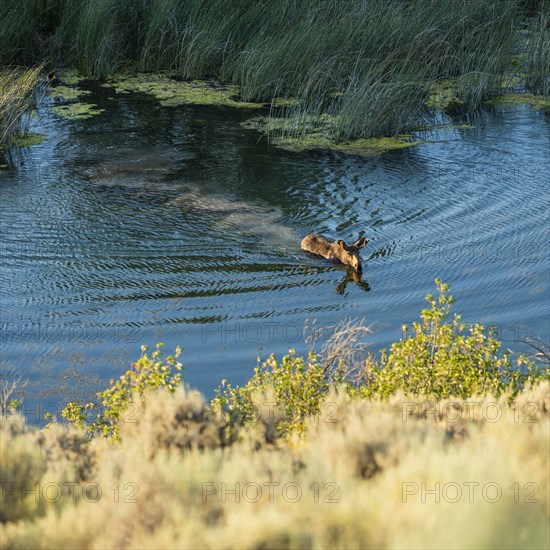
(439, 442)
(17, 91)
(334, 74)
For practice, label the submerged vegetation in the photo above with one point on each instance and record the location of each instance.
(375, 68)
(303, 456)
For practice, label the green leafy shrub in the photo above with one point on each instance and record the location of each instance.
(441, 358)
(122, 397)
(281, 394)
(444, 358)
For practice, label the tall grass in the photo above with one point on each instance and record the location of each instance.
(538, 53)
(370, 63)
(17, 88)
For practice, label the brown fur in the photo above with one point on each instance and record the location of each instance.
(338, 250)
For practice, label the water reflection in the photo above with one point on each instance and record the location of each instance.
(352, 276)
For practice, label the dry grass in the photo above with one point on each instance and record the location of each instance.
(17, 87)
(345, 350)
(363, 476)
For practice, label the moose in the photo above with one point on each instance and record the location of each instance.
(338, 250)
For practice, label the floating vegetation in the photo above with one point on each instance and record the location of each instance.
(537, 101)
(171, 92)
(69, 77)
(279, 102)
(29, 139)
(67, 92)
(445, 96)
(363, 147)
(439, 127)
(77, 110)
(319, 134)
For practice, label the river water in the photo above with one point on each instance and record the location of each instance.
(176, 225)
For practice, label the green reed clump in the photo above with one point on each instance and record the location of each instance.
(21, 39)
(17, 87)
(371, 65)
(538, 53)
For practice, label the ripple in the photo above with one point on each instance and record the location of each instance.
(105, 247)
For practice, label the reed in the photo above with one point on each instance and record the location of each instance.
(17, 87)
(538, 54)
(371, 65)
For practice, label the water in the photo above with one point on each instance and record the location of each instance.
(148, 225)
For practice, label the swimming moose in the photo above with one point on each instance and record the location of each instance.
(339, 250)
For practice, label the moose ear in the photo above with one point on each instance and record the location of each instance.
(340, 242)
(361, 242)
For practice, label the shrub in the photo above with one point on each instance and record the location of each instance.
(372, 479)
(281, 394)
(119, 400)
(444, 358)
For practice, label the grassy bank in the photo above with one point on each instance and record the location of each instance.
(372, 66)
(438, 442)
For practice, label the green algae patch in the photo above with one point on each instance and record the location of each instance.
(537, 101)
(69, 77)
(285, 102)
(323, 124)
(172, 93)
(68, 93)
(307, 133)
(376, 146)
(444, 96)
(75, 111)
(442, 127)
(365, 147)
(29, 139)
